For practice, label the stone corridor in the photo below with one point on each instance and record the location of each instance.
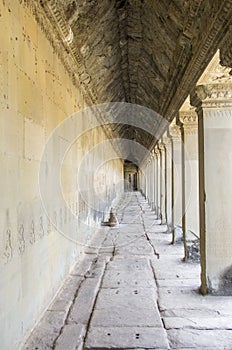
(132, 291)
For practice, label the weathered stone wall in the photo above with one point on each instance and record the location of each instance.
(36, 95)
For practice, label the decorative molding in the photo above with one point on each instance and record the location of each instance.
(189, 121)
(167, 140)
(212, 96)
(226, 50)
(52, 23)
(212, 36)
(161, 146)
(175, 132)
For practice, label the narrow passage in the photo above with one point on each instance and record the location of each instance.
(132, 291)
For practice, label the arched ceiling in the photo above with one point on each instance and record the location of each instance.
(146, 52)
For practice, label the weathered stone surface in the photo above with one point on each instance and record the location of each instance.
(116, 279)
(191, 338)
(71, 337)
(70, 287)
(137, 314)
(126, 297)
(122, 262)
(127, 337)
(84, 302)
(205, 323)
(127, 316)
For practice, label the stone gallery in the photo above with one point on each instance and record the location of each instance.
(116, 174)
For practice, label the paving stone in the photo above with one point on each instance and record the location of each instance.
(70, 287)
(83, 305)
(131, 264)
(198, 322)
(81, 268)
(129, 297)
(124, 338)
(127, 228)
(116, 279)
(178, 282)
(55, 319)
(126, 316)
(61, 304)
(191, 338)
(41, 339)
(189, 312)
(96, 270)
(136, 251)
(71, 337)
(152, 230)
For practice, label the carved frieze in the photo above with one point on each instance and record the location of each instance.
(212, 96)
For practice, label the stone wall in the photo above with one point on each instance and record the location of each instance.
(37, 94)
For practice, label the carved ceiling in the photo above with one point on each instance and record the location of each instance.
(146, 52)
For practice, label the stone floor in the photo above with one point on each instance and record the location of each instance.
(132, 291)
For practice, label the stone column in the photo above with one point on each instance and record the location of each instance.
(157, 181)
(175, 133)
(190, 192)
(214, 109)
(167, 141)
(147, 181)
(150, 182)
(153, 180)
(162, 183)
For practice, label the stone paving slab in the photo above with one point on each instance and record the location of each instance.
(195, 339)
(126, 338)
(42, 338)
(84, 302)
(142, 250)
(123, 262)
(70, 287)
(129, 297)
(71, 338)
(205, 323)
(116, 278)
(126, 317)
(113, 296)
(189, 312)
(81, 268)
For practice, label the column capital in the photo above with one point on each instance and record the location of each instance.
(212, 96)
(156, 150)
(175, 132)
(166, 139)
(189, 120)
(161, 146)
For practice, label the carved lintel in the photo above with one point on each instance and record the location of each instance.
(212, 96)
